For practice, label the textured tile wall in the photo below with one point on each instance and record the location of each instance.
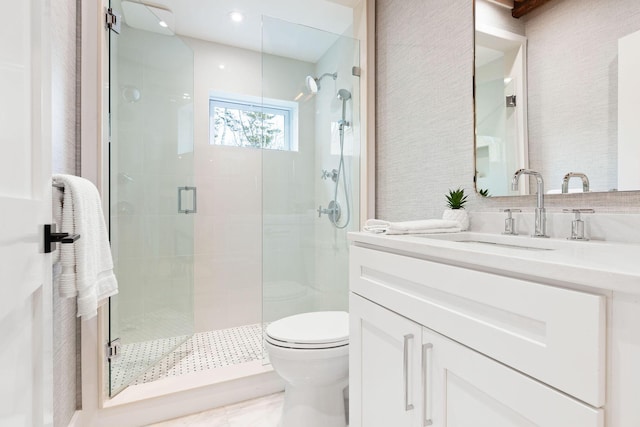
(424, 117)
(65, 342)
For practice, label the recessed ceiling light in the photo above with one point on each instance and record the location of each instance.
(221, 66)
(163, 24)
(236, 16)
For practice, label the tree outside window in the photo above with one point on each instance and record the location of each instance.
(244, 124)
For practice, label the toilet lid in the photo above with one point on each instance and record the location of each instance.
(320, 329)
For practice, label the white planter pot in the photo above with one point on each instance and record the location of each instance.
(459, 215)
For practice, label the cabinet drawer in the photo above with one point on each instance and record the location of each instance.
(555, 335)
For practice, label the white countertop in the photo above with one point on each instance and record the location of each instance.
(594, 264)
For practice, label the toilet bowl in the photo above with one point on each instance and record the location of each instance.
(310, 351)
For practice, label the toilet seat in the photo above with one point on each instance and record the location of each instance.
(318, 330)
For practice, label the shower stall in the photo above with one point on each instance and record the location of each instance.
(233, 183)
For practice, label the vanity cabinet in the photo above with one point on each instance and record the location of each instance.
(398, 378)
(492, 350)
(384, 367)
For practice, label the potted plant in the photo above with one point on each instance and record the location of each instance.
(455, 211)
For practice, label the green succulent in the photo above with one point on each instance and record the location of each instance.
(456, 199)
(484, 192)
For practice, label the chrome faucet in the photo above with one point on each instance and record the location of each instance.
(567, 177)
(541, 221)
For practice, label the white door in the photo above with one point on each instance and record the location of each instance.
(384, 367)
(25, 206)
(466, 389)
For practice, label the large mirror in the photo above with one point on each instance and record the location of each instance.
(558, 91)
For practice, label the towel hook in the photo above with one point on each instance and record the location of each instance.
(51, 238)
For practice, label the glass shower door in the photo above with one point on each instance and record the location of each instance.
(152, 196)
(304, 240)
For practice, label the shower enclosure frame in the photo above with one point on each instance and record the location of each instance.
(173, 400)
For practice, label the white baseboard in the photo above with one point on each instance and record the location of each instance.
(75, 419)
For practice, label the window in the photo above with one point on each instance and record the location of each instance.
(243, 121)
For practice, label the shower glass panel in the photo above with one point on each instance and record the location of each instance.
(151, 173)
(304, 239)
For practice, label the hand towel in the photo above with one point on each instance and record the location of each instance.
(377, 226)
(56, 207)
(426, 226)
(87, 265)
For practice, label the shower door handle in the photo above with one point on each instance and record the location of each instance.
(191, 201)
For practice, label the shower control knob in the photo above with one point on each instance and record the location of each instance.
(321, 211)
(333, 174)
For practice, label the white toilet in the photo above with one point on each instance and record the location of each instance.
(310, 351)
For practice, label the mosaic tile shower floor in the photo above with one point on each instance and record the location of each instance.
(201, 352)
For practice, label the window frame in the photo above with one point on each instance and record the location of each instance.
(288, 109)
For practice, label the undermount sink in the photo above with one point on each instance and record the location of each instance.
(500, 240)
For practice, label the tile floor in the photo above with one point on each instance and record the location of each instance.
(261, 412)
(203, 351)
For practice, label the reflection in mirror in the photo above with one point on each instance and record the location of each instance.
(572, 66)
(501, 139)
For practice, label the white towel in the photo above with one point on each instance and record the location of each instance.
(425, 226)
(377, 226)
(87, 266)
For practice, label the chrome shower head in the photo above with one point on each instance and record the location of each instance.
(313, 83)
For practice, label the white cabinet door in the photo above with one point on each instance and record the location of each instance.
(466, 389)
(384, 367)
(522, 324)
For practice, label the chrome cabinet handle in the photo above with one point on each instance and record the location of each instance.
(405, 373)
(426, 384)
(194, 206)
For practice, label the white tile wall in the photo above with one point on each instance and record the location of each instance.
(236, 186)
(332, 253)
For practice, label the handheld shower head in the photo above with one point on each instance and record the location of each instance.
(344, 95)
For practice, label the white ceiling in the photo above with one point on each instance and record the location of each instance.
(209, 20)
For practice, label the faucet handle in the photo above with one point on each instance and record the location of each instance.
(578, 211)
(577, 225)
(509, 222)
